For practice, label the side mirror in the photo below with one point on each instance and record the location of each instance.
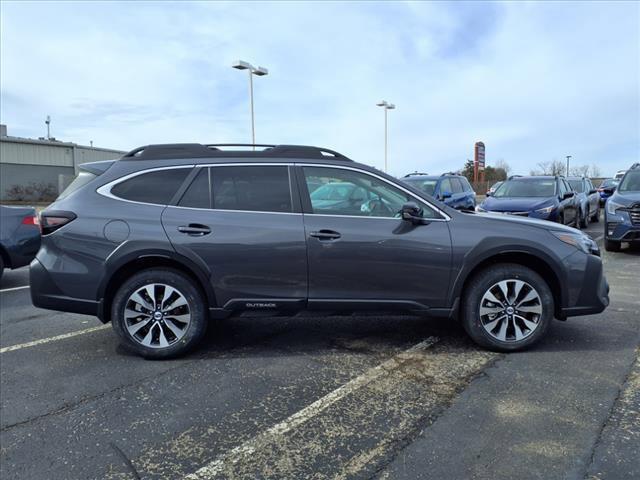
(445, 195)
(411, 212)
(609, 191)
(488, 194)
(592, 191)
(567, 195)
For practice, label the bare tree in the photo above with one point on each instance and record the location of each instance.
(501, 163)
(580, 171)
(553, 167)
(595, 171)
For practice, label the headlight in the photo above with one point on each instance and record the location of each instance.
(613, 206)
(578, 240)
(480, 209)
(546, 209)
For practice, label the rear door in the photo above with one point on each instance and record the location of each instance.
(243, 222)
(365, 254)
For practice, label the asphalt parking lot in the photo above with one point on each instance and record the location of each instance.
(317, 396)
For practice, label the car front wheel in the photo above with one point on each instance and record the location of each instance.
(507, 307)
(611, 245)
(159, 313)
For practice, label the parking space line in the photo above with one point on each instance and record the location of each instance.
(52, 339)
(14, 288)
(216, 466)
(597, 239)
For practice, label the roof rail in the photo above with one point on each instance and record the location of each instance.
(514, 176)
(449, 173)
(635, 165)
(197, 150)
(415, 173)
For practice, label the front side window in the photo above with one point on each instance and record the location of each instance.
(445, 187)
(456, 186)
(156, 187)
(348, 192)
(251, 188)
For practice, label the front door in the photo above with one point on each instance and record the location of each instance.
(359, 249)
(241, 222)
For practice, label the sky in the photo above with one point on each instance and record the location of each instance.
(533, 81)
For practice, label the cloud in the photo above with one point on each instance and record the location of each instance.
(534, 81)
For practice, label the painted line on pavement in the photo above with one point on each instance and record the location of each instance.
(216, 466)
(597, 239)
(52, 339)
(14, 288)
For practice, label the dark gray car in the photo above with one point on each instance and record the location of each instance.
(170, 236)
(19, 236)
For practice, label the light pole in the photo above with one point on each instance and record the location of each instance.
(568, 158)
(387, 106)
(260, 72)
(48, 122)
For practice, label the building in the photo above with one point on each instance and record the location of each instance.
(36, 170)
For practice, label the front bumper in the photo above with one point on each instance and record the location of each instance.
(589, 289)
(622, 232)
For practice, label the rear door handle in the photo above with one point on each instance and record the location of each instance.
(195, 229)
(325, 235)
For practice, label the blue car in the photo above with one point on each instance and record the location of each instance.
(452, 189)
(607, 188)
(622, 212)
(544, 197)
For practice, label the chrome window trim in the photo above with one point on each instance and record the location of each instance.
(105, 190)
(445, 215)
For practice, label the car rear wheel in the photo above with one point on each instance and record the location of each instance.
(596, 215)
(159, 313)
(507, 307)
(611, 245)
(584, 219)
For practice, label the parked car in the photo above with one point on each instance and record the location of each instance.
(169, 236)
(493, 188)
(544, 197)
(450, 188)
(619, 174)
(588, 200)
(622, 212)
(19, 236)
(606, 189)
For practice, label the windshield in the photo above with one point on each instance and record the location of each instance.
(428, 186)
(333, 191)
(576, 185)
(530, 187)
(630, 182)
(609, 183)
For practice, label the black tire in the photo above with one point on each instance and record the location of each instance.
(1, 266)
(196, 307)
(487, 279)
(596, 216)
(584, 220)
(611, 245)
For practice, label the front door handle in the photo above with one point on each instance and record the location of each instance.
(195, 229)
(325, 235)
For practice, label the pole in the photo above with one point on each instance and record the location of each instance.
(385, 140)
(253, 126)
(568, 157)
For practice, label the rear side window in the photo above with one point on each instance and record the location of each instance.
(251, 188)
(157, 187)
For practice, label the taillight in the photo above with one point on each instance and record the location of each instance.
(50, 221)
(31, 220)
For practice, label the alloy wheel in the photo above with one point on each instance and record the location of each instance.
(157, 315)
(510, 310)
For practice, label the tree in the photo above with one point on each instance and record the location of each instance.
(467, 170)
(554, 167)
(502, 164)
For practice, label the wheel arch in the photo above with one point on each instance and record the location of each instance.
(536, 262)
(128, 266)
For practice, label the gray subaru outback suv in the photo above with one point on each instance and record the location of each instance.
(168, 237)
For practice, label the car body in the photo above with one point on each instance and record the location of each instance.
(606, 189)
(588, 200)
(622, 211)
(170, 236)
(19, 236)
(543, 197)
(619, 174)
(451, 189)
(494, 187)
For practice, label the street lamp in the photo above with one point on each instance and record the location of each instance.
(568, 158)
(260, 72)
(387, 106)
